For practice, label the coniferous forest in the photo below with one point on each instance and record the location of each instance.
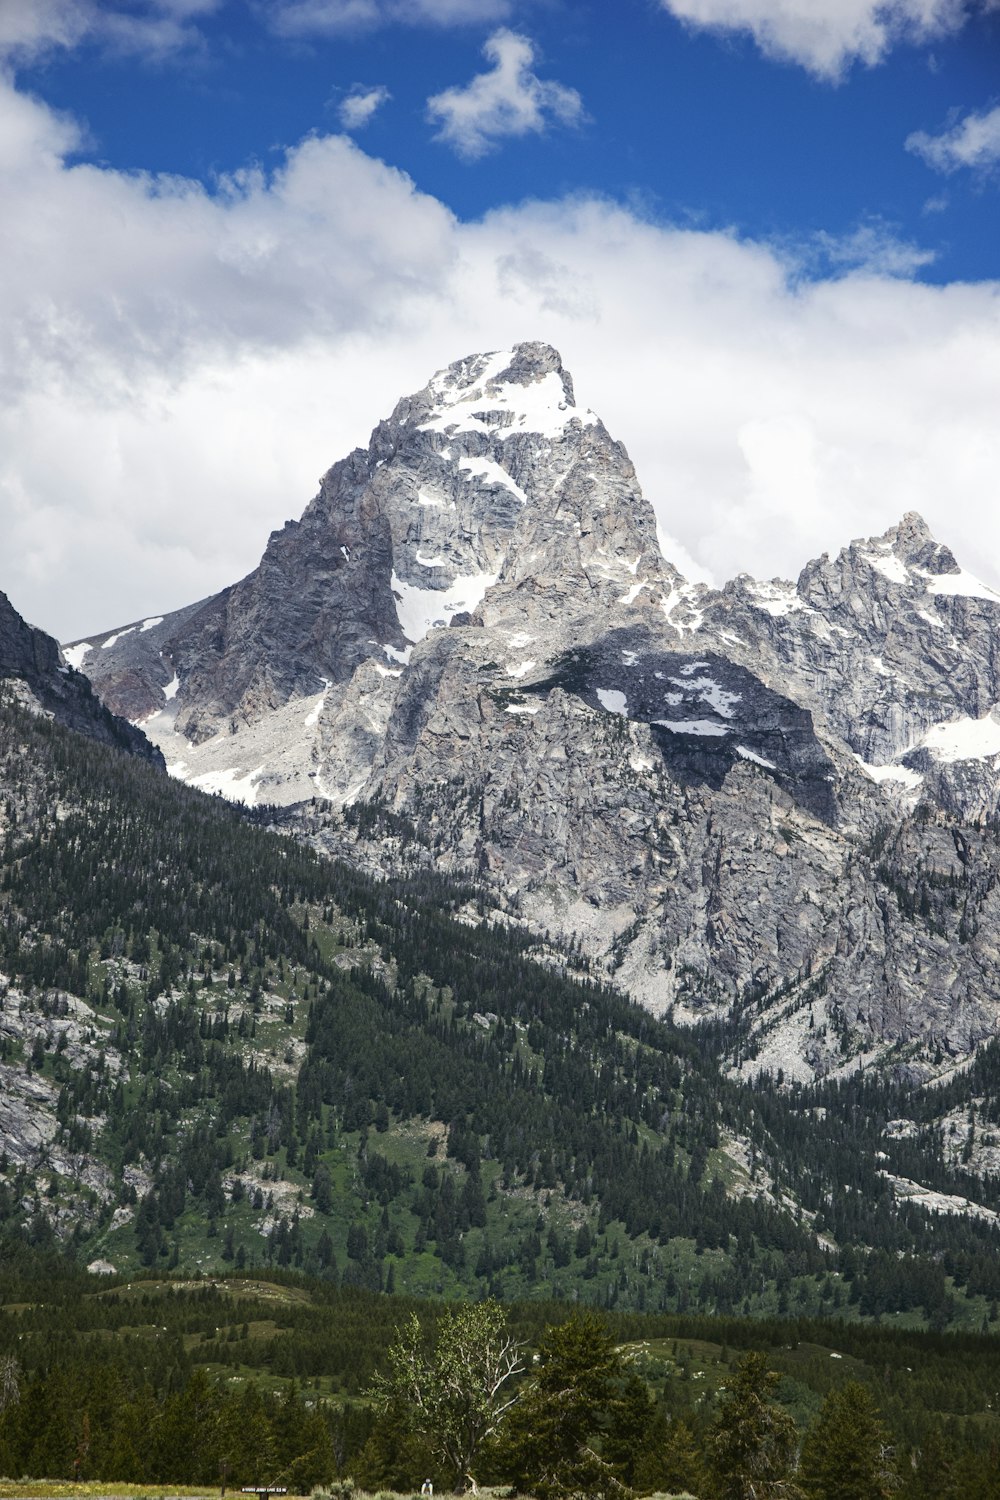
(276, 1106)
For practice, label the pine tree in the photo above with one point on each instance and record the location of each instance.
(553, 1447)
(752, 1444)
(847, 1454)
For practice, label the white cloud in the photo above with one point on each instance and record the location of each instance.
(973, 141)
(305, 18)
(826, 36)
(508, 100)
(29, 26)
(154, 28)
(874, 247)
(170, 392)
(360, 105)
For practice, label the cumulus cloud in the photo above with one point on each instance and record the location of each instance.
(973, 141)
(826, 36)
(360, 105)
(508, 100)
(169, 392)
(305, 18)
(153, 28)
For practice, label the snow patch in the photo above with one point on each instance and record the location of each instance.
(76, 655)
(614, 701)
(170, 691)
(400, 656)
(106, 645)
(775, 598)
(521, 670)
(229, 784)
(431, 562)
(961, 585)
(633, 593)
(889, 565)
(711, 691)
(388, 671)
(502, 408)
(521, 708)
(680, 596)
(911, 779)
(692, 726)
(420, 610)
(150, 624)
(964, 739)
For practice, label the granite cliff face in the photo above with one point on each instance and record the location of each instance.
(757, 804)
(33, 669)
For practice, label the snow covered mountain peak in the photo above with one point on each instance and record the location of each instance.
(518, 390)
(472, 633)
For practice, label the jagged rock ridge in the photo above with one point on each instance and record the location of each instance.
(33, 669)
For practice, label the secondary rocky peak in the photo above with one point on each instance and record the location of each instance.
(33, 667)
(911, 541)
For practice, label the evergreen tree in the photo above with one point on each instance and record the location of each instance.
(553, 1448)
(847, 1454)
(752, 1444)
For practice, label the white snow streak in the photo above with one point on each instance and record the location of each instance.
(313, 716)
(106, 645)
(692, 726)
(492, 473)
(758, 760)
(633, 593)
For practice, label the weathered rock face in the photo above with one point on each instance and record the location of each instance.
(472, 634)
(31, 662)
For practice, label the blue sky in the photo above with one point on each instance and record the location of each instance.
(764, 234)
(697, 125)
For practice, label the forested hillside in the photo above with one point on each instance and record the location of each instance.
(219, 1050)
(269, 1379)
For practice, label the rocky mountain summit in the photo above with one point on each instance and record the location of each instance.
(772, 805)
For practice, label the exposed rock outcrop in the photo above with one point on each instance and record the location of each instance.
(738, 802)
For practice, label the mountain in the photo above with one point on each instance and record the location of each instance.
(770, 807)
(33, 670)
(219, 1049)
